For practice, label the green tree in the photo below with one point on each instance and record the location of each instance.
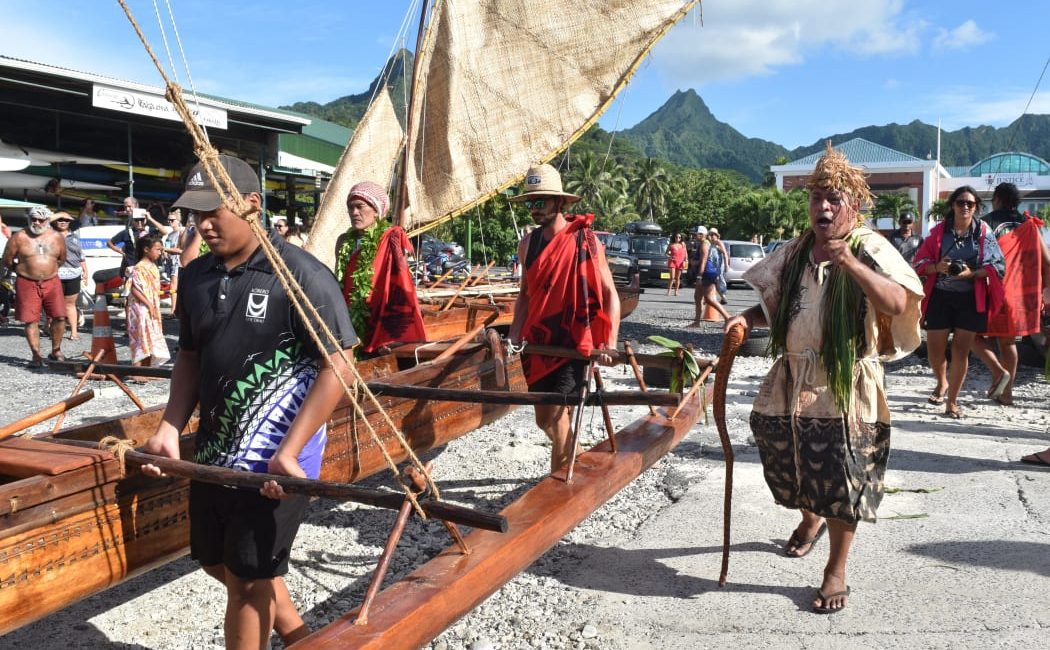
(768, 213)
(650, 186)
(939, 210)
(590, 175)
(893, 205)
(700, 197)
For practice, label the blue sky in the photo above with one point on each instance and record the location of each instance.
(790, 71)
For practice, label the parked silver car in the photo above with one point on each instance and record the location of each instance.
(742, 256)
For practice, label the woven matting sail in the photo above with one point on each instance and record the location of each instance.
(508, 83)
(369, 156)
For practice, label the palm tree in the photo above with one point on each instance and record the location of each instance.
(893, 205)
(601, 183)
(651, 187)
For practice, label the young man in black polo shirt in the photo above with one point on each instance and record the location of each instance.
(265, 394)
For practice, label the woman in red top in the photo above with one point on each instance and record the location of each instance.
(676, 254)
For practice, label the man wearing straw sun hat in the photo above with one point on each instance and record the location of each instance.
(567, 299)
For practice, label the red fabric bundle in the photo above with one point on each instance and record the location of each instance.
(1023, 282)
(565, 298)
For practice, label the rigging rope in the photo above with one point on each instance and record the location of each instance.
(1031, 98)
(233, 201)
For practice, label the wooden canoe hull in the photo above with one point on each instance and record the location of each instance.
(629, 298)
(413, 611)
(467, 314)
(441, 325)
(71, 527)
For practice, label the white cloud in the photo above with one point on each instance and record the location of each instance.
(963, 36)
(969, 107)
(754, 37)
(891, 84)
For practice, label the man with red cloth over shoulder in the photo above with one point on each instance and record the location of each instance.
(567, 299)
(371, 267)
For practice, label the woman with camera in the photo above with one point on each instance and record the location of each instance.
(962, 267)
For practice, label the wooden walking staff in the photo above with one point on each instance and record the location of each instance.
(731, 343)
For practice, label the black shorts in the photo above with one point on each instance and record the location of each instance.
(251, 535)
(568, 379)
(950, 310)
(70, 287)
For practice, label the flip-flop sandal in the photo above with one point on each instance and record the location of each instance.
(56, 356)
(1003, 401)
(999, 386)
(954, 412)
(824, 599)
(796, 543)
(936, 399)
(1038, 458)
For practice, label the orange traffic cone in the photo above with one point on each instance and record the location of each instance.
(102, 333)
(710, 313)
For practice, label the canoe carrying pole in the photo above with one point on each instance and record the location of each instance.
(612, 398)
(315, 488)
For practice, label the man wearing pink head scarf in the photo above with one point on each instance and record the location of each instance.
(371, 265)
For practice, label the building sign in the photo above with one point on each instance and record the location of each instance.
(1023, 180)
(152, 105)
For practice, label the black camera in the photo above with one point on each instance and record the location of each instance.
(956, 267)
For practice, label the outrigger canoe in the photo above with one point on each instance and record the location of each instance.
(71, 527)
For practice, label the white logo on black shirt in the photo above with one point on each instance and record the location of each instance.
(256, 306)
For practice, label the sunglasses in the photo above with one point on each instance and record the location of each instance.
(281, 226)
(535, 203)
(38, 219)
(963, 203)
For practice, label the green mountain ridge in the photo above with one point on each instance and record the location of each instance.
(349, 109)
(684, 132)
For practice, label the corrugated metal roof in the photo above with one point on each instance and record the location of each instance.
(958, 171)
(229, 104)
(861, 152)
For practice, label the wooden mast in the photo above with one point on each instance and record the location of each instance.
(402, 190)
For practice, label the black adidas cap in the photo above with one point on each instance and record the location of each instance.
(199, 194)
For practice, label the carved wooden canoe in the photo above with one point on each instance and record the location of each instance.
(71, 527)
(411, 612)
(467, 313)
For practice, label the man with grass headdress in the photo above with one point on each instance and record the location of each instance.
(838, 300)
(371, 266)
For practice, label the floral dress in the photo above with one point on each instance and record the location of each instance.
(145, 334)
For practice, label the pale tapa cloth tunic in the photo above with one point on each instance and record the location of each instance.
(813, 457)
